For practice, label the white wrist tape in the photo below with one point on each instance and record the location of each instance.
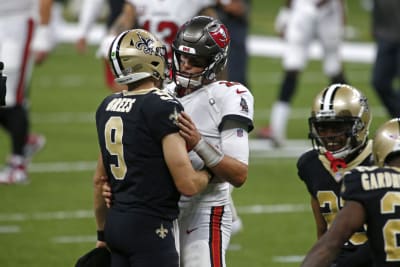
(210, 155)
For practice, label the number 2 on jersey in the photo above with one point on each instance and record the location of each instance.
(391, 230)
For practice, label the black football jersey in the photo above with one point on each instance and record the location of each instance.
(325, 185)
(130, 128)
(378, 190)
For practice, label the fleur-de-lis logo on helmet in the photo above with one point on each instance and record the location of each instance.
(145, 44)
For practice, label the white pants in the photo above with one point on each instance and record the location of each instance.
(307, 23)
(204, 235)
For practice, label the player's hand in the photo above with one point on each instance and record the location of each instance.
(106, 192)
(188, 130)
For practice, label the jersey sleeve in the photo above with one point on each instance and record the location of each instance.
(162, 114)
(352, 189)
(237, 104)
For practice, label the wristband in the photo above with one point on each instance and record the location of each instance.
(100, 235)
(210, 155)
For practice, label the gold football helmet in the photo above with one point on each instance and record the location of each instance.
(386, 141)
(344, 109)
(137, 54)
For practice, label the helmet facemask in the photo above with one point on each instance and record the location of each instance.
(185, 79)
(338, 136)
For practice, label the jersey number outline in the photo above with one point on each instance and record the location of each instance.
(391, 228)
(113, 133)
(331, 204)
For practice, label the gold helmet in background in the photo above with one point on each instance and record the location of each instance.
(344, 107)
(386, 141)
(137, 54)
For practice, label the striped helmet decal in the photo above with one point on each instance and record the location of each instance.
(115, 60)
(328, 97)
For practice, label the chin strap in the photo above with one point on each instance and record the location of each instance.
(335, 163)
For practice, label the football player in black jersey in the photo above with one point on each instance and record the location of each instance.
(143, 156)
(339, 125)
(372, 196)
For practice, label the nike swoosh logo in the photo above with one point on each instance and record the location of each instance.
(188, 231)
(240, 92)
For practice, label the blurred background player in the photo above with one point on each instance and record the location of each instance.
(143, 156)
(20, 20)
(162, 18)
(89, 12)
(234, 14)
(300, 22)
(386, 71)
(371, 195)
(339, 125)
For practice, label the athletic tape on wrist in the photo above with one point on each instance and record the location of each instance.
(210, 155)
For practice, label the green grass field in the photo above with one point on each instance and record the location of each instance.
(49, 222)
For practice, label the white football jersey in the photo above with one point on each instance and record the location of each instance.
(209, 107)
(163, 18)
(19, 7)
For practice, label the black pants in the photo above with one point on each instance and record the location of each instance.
(138, 240)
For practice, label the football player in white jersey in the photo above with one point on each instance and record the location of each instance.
(162, 18)
(217, 119)
(19, 21)
(90, 10)
(300, 22)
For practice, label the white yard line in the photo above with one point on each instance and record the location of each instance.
(88, 214)
(9, 229)
(299, 113)
(264, 46)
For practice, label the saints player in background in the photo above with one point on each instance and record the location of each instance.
(372, 196)
(339, 125)
(144, 158)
